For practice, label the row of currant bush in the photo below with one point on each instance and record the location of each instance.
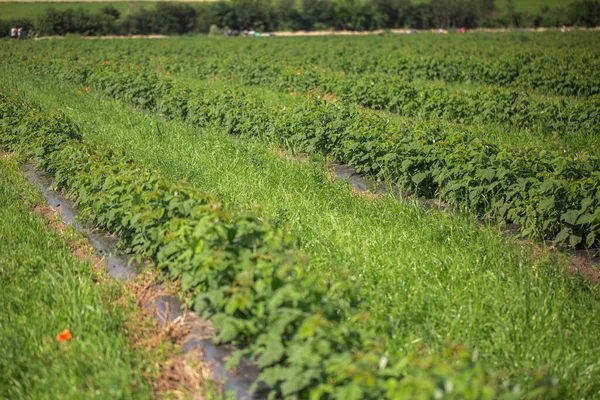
(513, 108)
(243, 273)
(570, 66)
(568, 71)
(552, 195)
(550, 63)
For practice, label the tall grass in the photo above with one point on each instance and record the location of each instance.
(44, 291)
(427, 277)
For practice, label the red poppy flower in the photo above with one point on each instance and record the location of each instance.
(64, 336)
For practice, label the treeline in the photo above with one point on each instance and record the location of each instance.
(271, 15)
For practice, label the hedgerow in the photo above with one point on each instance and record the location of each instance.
(244, 273)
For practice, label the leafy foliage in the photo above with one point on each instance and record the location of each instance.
(553, 195)
(244, 274)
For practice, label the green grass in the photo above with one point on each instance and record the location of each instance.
(427, 278)
(44, 290)
(532, 6)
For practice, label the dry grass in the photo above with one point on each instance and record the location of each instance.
(79, 246)
(181, 376)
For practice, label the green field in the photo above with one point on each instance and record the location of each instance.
(532, 6)
(210, 158)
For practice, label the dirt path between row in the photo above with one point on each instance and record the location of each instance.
(158, 324)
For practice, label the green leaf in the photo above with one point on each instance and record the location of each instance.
(272, 353)
(187, 281)
(349, 392)
(389, 157)
(234, 360)
(547, 185)
(574, 240)
(547, 204)
(562, 235)
(418, 178)
(488, 174)
(227, 333)
(590, 239)
(570, 216)
(586, 218)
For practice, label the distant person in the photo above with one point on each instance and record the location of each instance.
(22, 33)
(13, 32)
(19, 31)
(563, 29)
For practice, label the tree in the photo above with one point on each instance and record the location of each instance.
(316, 13)
(287, 15)
(391, 13)
(511, 12)
(585, 12)
(175, 18)
(111, 12)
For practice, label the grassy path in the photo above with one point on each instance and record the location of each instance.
(44, 291)
(427, 278)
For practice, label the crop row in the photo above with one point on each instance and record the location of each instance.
(243, 273)
(513, 108)
(551, 194)
(521, 67)
(566, 65)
